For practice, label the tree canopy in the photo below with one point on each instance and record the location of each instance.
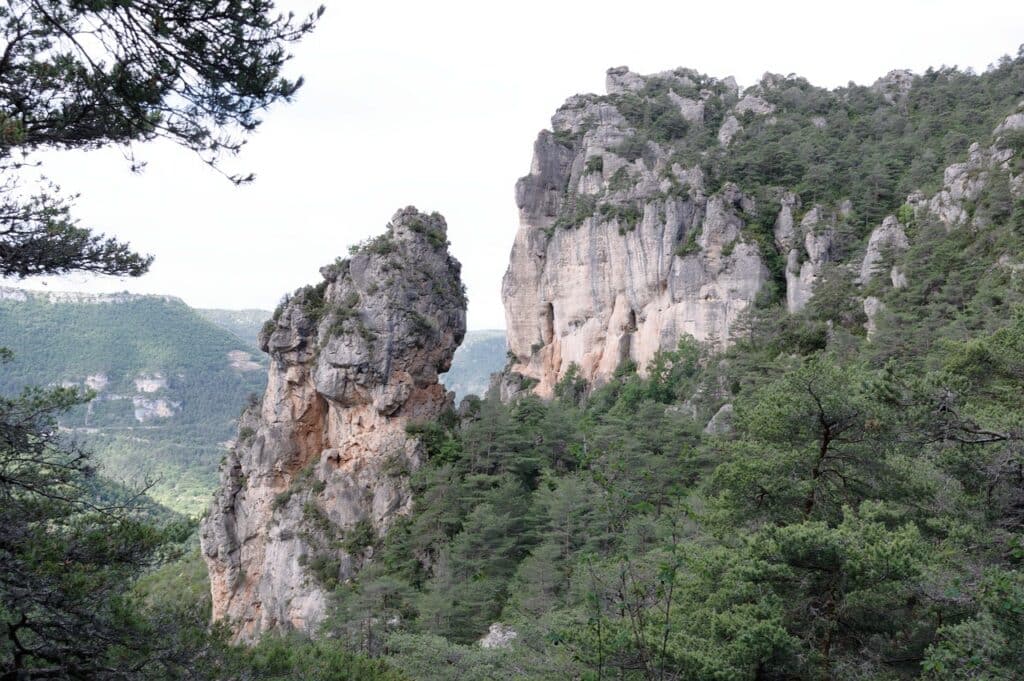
(81, 75)
(85, 74)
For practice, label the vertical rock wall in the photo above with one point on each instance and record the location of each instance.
(620, 252)
(624, 247)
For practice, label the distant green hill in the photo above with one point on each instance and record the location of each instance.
(481, 354)
(169, 384)
(170, 380)
(243, 323)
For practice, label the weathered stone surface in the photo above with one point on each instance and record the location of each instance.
(499, 636)
(323, 456)
(622, 250)
(721, 422)
(606, 289)
(962, 183)
(872, 306)
(888, 237)
(895, 85)
(730, 128)
(691, 109)
(753, 104)
(818, 230)
(1011, 122)
(620, 79)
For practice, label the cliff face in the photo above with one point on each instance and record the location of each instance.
(633, 232)
(321, 463)
(621, 250)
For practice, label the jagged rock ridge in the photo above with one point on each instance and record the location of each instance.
(321, 464)
(626, 243)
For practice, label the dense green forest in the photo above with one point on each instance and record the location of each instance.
(811, 503)
(861, 519)
(856, 511)
(116, 343)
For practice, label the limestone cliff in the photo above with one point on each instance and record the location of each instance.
(634, 229)
(620, 250)
(320, 466)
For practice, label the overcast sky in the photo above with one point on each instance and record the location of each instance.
(437, 104)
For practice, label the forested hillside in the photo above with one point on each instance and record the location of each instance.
(836, 495)
(168, 384)
(834, 491)
(243, 323)
(169, 381)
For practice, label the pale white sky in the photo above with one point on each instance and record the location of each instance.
(436, 104)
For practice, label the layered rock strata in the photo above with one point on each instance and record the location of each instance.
(320, 467)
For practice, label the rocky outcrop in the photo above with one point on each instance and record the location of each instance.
(963, 183)
(721, 422)
(872, 307)
(808, 248)
(895, 86)
(498, 636)
(621, 250)
(886, 241)
(631, 234)
(320, 466)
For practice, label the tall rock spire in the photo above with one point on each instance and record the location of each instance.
(320, 466)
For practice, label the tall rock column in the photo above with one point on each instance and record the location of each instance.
(320, 465)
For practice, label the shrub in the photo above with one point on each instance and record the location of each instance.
(378, 245)
(689, 245)
(359, 536)
(312, 301)
(627, 215)
(282, 499)
(905, 214)
(621, 180)
(345, 312)
(325, 569)
(435, 237)
(632, 147)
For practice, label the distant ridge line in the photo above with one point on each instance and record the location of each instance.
(56, 297)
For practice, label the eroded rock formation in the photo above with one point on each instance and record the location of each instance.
(320, 467)
(621, 252)
(626, 243)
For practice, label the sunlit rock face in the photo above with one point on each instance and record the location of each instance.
(321, 463)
